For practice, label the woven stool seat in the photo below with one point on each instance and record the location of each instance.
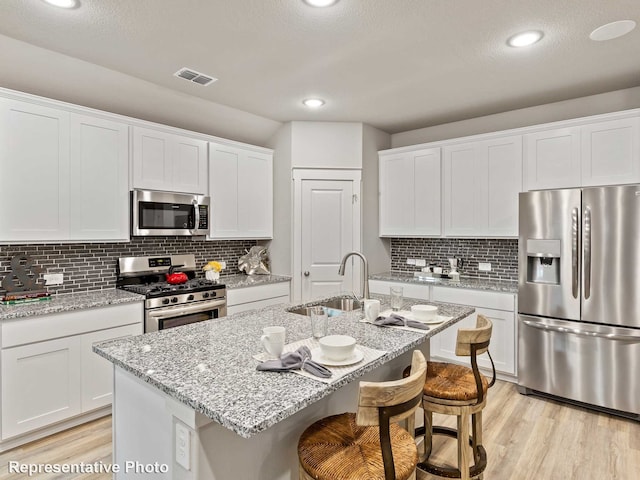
(336, 448)
(448, 381)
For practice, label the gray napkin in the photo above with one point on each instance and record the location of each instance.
(299, 359)
(395, 319)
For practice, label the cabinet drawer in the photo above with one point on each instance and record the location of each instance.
(40, 328)
(238, 296)
(267, 302)
(409, 290)
(474, 298)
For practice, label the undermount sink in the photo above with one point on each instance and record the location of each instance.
(344, 304)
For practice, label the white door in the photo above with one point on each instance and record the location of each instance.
(552, 158)
(189, 165)
(611, 152)
(99, 179)
(327, 234)
(255, 195)
(504, 170)
(40, 384)
(152, 160)
(34, 184)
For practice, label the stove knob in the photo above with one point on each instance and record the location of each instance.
(205, 295)
(190, 297)
(174, 300)
(165, 301)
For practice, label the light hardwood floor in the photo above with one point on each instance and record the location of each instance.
(526, 437)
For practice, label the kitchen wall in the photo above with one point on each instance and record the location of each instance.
(552, 112)
(501, 253)
(92, 266)
(53, 75)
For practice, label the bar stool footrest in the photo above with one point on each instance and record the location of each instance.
(480, 456)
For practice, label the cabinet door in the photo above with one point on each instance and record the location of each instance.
(409, 193)
(409, 290)
(224, 189)
(504, 172)
(611, 152)
(152, 163)
(40, 384)
(34, 185)
(99, 179)
(241, 190)
(97, 372)
(552, 159)
(189, 166)
(255, 195)
(502, 347)
(465, 190)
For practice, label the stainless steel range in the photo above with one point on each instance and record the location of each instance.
(171, 305)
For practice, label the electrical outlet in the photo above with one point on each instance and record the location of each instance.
(484, 267)
(183, 446)
(421, 262)
(223, 264)
(411, 261)
(53, 278)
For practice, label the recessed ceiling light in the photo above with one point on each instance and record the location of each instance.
(313, 102)
(612, 30)
(524, 39)
(320, 3)
(63, 3)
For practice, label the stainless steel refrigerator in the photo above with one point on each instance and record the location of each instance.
(579, 295)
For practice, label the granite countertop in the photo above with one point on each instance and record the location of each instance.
(471, 283)
(209, 365)
(242, 280)
(68, 302)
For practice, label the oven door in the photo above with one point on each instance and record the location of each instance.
(169, 317)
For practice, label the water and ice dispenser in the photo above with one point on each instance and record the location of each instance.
(543, 261)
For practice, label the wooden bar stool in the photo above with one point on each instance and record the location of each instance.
(368, 444)
(462, 391)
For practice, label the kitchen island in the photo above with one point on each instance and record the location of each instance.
(190, 404)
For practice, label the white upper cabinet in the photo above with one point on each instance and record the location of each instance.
(34, 184)
(409, 193)
(605, 152)
(482, 181)
(552, 158)
(611, 152)
(241, 190)
(169, 162)
(99, 179)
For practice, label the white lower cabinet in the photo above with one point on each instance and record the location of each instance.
(259, 296)
(49, 371)
(40, 384)
(497, 307)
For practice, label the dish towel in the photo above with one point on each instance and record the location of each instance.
(395, 319)
(299, 359)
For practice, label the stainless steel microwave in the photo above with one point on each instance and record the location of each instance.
(166, 213)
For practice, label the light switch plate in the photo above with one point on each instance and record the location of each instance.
(411, 261)
(183, 446)
(421, 262)
(484, 267)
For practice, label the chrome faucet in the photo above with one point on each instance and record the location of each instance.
(365, 280)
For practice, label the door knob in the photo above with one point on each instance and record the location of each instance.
(306, 274)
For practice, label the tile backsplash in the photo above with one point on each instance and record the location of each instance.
(92, 266)
(501, 253)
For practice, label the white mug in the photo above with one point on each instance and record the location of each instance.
(273, 340)
(371, 309)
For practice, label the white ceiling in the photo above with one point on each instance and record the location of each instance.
(394, 64)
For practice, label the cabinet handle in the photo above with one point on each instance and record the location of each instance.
(306, 273)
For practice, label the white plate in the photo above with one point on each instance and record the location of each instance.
(411, 316)
(316, 356)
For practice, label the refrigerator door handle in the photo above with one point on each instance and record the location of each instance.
(574, 252)
(575, 331)
(587, 252)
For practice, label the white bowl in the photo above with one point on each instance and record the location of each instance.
(337, 347)
(424, 312)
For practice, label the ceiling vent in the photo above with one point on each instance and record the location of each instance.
(195, 77)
